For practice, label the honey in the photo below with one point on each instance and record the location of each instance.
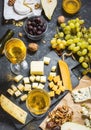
(71, 6)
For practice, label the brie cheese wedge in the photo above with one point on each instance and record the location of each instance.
(20, 8)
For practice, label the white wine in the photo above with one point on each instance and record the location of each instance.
(71, 6)
(38, 101)
(15, 50)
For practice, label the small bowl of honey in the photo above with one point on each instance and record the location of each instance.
(71, 6)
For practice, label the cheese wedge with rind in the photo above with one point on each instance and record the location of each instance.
(65, 73)
(13, 110)
(74, 126)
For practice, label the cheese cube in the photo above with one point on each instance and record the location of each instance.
(14, 88)
(41, 86)
(50, 78)
(27, 87)
(51, 93)
(56, 79)
(53, 73)
(51, 84)
(32, 78)
(58, 91)
(37, 78)
(46, 60)
(37, 68)
(54, 87)
(10, 91)
(35, 85)
(43, 79)
(18, 78)
(20, 87)
(26, 80)
(17, 93)
(53, 69)
(23, 97)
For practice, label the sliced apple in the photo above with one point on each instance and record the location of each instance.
(49, 7)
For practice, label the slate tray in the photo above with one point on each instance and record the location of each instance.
(47, 68)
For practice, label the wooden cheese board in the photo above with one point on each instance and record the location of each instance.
(76, 107)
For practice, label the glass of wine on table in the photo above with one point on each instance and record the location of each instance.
(15, 51)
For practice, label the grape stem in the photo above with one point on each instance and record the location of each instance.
(68, 54)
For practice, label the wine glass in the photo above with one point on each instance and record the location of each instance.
(15, 51)
(38, 102)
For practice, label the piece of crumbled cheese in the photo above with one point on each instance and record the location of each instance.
(26, 80)
(46, 60)
(18, 78)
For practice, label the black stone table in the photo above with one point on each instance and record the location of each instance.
(44, 48)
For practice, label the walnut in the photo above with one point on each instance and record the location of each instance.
(11, 2)
(33, 47)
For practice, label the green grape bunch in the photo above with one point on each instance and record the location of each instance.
(75, 38)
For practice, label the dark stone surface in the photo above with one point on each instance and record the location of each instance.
(44, 48)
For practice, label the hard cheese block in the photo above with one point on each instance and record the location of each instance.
(12, 109)
(37, 68)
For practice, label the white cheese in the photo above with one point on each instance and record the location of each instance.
(43, 79)
(23, 97)
(37, 68)
(14, 88)
(37, 78)
(17, 93)
(10, 91)
(35, 85)
(41, 86)
(27, 87)
(26, 80)
(32, 78)
(20, 87)
(18, 78)
(53, 69)
(46, 60)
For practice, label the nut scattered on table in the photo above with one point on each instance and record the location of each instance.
(11, 2)
(33, 47)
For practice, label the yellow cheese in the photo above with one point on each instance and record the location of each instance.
(37, 68)
(14, 110)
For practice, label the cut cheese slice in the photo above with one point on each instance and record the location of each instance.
(65, 73)
(20, 8)
(12, 109)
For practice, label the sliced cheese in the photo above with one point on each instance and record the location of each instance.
(14, 110)
(65, 73)
(37, 68)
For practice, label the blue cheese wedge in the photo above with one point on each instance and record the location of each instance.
(37, 68)
(13, 110)
(81, 95)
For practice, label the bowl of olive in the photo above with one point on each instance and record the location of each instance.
(35, 27)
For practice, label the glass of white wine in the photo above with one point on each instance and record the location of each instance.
(38, 102)
(15, 51)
